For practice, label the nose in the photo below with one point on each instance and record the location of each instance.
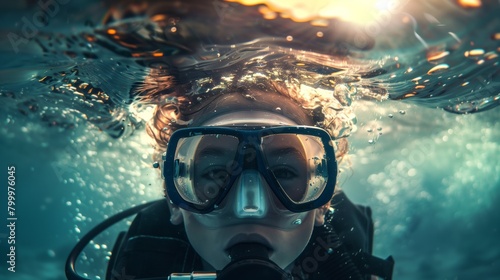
(251, 197)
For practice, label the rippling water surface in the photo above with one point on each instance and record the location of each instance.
(421, 78)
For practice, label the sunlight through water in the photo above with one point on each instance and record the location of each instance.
(412, 85)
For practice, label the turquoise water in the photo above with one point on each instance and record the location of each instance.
(431, 176)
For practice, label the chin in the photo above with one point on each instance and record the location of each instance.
(283, 263)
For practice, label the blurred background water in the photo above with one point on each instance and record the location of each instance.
(72, 129)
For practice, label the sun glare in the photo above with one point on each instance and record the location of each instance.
(354, 11)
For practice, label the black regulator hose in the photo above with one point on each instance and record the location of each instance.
(71, 273)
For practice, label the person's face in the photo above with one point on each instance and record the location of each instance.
(211, 235)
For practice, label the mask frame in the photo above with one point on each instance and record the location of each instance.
(251, 136)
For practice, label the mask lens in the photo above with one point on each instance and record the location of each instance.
(202, 166)
(298, 164)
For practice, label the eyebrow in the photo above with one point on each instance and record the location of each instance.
(212, 151)
(285, 151)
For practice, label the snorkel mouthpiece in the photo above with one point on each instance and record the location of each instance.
(250, 261)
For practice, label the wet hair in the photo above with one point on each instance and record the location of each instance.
(328, 109)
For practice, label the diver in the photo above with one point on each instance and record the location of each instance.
(249, 179)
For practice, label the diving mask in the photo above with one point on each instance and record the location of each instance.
(272, 168)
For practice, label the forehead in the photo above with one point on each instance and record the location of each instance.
(226, 146)
(228, 141)
(257, 105)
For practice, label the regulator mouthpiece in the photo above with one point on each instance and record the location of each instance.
(251, 261)
(248, 251)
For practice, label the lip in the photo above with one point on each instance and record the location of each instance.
(248, 238)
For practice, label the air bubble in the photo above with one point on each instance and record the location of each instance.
(434, 55)
(390, 116)
(412, 172)
(249, 96)
(474, 52)
(402, 112)
(438, 69)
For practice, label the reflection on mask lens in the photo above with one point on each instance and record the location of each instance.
(297, 163)
(206, 162)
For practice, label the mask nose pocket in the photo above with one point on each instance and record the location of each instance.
(250, 195)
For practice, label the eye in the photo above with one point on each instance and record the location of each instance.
(217, 174)
(284, 172)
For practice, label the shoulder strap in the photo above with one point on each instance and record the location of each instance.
(355, 228)
(371, 265)
(153, 247)
(342, 247)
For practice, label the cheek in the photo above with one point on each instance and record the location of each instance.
(208, 243)
(290, 244)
